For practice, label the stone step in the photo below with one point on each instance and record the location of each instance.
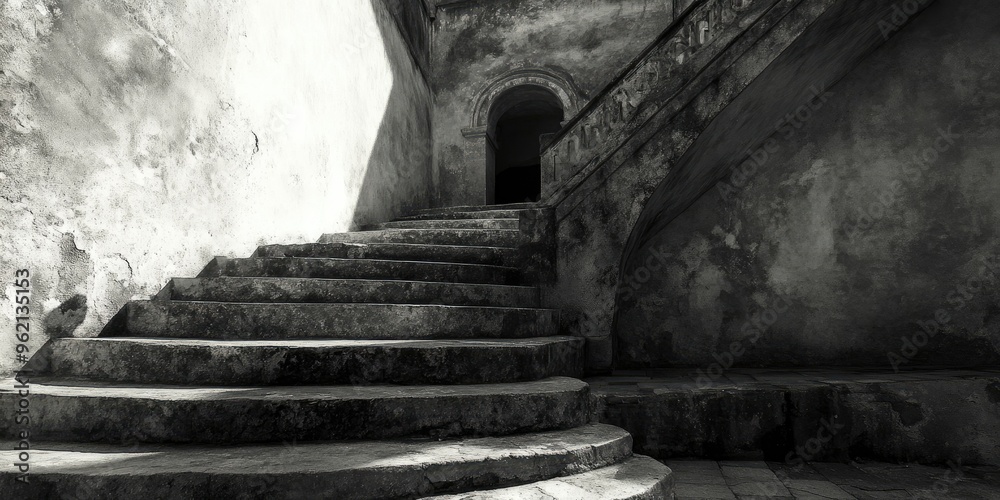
(234, 289)
(497, 256)
(298, 267)
(364, 470)
(245, 321)
(314, 362)
(101, 412)
(458, 237)
(480, 208)
(479, 214)
(493, 223)
(636, 478)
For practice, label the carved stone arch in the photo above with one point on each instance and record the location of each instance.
(557, 84)
(513, 90)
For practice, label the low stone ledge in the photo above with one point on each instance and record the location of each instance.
(930, 416)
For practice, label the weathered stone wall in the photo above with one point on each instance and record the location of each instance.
(726, 106)
(870, 213)
(586, 42)
(138, 139)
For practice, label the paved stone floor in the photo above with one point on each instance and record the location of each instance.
(628, 382)
(745, 480)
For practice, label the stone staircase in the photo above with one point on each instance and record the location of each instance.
(406, 361)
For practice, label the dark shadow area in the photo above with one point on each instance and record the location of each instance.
(59, 323)
(63, 320)
(398, 178)
(517, 121)
(518, 155)
(519, 184)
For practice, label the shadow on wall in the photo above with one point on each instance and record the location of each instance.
(139, 140)
(402, 137)
(63, 320)
(60, 323)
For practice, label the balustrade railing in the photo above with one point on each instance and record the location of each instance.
(637, 92)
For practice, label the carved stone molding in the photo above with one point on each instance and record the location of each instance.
(555, 83)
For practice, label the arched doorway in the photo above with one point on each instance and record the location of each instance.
(517, 121)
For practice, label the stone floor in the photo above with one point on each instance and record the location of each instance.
(745, 480)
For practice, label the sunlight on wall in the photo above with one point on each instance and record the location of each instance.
(139, 139)
(332, 103)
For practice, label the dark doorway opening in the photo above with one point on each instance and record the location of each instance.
(523, 115)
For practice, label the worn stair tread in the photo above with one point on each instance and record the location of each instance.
(636, 478)
(476, 214)
(328, 343)
(92, 389)
(332, 268)
(507, 238)
(393, 251)
(478, 208)
(468, 223)
(93, 411)
(362, 469)
(305, 362)
(344, 290)
(236, 320)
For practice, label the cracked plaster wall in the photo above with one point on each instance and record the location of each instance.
(140, 138)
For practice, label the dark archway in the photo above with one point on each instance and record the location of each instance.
(517, 121)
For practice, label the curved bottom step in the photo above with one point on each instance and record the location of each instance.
(344, 470)
(86, 411)
(638, 478)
